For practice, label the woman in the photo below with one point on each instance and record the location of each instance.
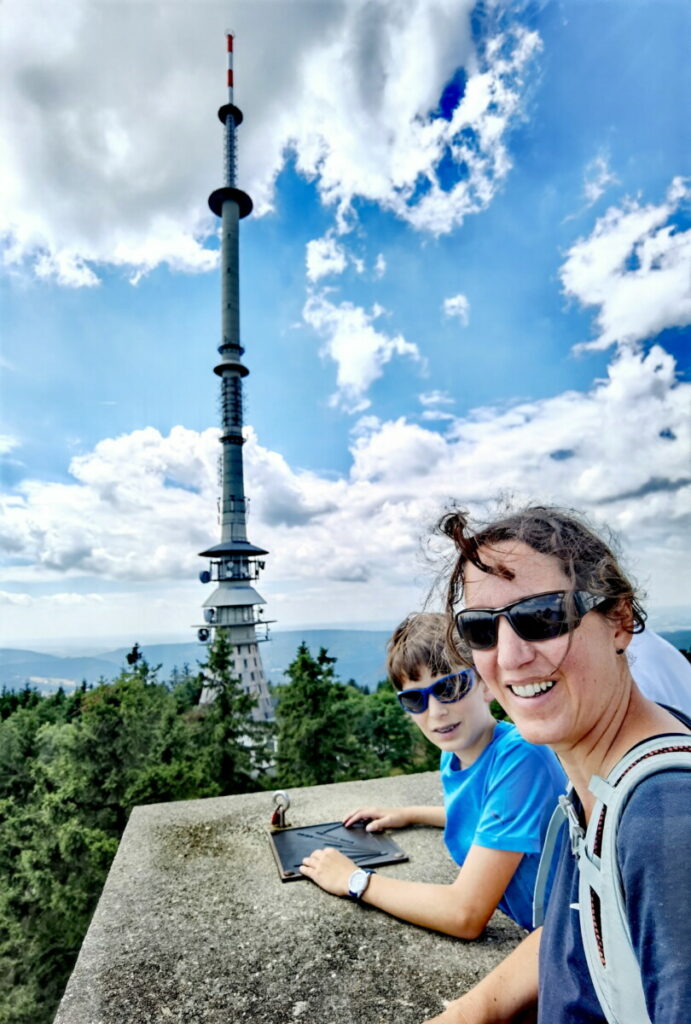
(549, 614)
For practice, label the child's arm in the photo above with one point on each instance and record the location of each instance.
(379, 818)
(508, 993)
(461, 909)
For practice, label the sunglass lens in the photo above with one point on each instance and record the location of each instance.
(453, 687)
(478, 629)
(413, 701)
(446, 690)
(540, 618)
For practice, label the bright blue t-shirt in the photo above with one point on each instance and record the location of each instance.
(503, 801)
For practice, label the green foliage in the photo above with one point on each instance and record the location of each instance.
(387, 743)
(498, 712)
(238, 749)
(73, 766)
(71, 769)
(330, 732)
(314, 737)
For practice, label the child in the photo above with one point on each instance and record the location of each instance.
(499, 793)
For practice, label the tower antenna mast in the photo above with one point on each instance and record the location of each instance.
(235, 564)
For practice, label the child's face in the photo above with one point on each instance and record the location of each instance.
(461, 727)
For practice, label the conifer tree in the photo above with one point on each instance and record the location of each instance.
(239, 748)
(314, 730)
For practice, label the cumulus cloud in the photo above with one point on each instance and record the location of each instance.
(9, 597)
(359, 350)
(458, 306)
(142, 505)
(101, 100)
(635, 268)
(284, 497)
(393, 157)
(324, 257)
(139, 507)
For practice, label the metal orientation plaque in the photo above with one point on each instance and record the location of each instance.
(367, 849)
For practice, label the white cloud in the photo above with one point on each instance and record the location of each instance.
(48, 602)
(380, 265)
(431, 400)
(8, 597)
(98, 524)
(475, 138)
(458, 305)
(111, 148)
(7, 443)
(393, 155)
(436, 398)
(142, 505)
(359, 350)
(324, 257)
(432, 415)
(636, 267)
(598, 178)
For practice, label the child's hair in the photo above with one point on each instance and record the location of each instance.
(418, 643)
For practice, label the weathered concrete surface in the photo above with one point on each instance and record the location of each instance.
(194, 924)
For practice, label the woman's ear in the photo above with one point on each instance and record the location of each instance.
(621, 617)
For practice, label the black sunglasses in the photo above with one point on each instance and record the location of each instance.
(446, 690)
(540, 617)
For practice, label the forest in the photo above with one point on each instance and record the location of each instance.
(72, 767)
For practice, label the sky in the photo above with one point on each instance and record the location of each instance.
(466, 280)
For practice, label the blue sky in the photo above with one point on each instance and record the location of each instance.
(468, 275)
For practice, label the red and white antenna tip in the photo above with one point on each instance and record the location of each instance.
(229, 42)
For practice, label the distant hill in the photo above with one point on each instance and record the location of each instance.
(679, 638)
(360, 654)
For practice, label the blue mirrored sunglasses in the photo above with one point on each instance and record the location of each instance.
(447, 690)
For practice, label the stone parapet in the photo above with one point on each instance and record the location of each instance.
(194, 925)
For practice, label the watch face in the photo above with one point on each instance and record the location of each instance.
(358, 882)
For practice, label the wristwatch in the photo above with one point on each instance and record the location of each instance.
(358, 882)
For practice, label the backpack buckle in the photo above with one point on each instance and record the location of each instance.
(576, 831)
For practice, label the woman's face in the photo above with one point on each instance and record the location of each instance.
(579, 673)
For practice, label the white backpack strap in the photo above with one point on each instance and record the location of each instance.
(612, 962)
(563, 813)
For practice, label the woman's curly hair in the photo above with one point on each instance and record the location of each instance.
(586, 560)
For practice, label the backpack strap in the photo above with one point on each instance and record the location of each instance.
(612, 963)
(564, 812)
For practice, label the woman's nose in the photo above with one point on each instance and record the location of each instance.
(512, 650)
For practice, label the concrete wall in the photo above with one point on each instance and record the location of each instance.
(194, 924)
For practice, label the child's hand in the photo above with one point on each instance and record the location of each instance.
(378, 818)
(330, 869)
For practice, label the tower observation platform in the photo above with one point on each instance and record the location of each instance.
(234, 563)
